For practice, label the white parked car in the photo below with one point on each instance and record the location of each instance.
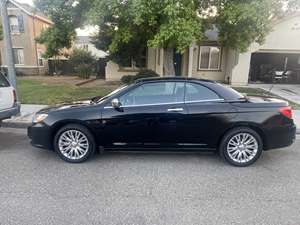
(9, 105)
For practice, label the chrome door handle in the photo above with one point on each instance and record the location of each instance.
(175, 110)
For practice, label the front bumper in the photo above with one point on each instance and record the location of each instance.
(40, 135)
(8, 113)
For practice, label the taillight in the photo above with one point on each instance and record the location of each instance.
(15, 95)
(286, 111)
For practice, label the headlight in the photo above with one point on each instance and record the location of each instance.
(38, 118)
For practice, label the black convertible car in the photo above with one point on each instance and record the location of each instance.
(167, 114)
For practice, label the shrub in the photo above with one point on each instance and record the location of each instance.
(146, 73)
(84, 71)
(83, 62)
(127, 79)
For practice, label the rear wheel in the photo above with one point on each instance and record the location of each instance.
(241, 146)
(74, 143)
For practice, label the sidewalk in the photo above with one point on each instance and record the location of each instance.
(27, 112)
(25, 119)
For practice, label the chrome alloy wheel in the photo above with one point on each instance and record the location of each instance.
(73, 144)
(242, 147)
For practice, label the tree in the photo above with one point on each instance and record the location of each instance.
(127, 27)
(131, 25)
(66, 16)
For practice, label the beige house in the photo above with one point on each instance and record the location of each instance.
(210, 61)
(26, 24)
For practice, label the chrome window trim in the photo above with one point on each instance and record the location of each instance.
(208, 100)
(169, 103)
(154, 104)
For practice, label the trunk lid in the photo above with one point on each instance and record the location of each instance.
(262, 101)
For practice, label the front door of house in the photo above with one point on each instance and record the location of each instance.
(177, 63)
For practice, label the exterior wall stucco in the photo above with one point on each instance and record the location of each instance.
(240, 72)
(155, 63)
(151, 59)
(114, 73)
(284, 37)
(218, 75)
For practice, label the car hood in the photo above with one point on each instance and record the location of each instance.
(79, 104)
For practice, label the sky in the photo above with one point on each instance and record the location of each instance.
(86, 31)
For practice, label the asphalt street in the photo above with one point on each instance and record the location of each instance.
(36, 187)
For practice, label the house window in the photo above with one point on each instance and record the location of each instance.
(18, 56)
(14, 24)
(40, 58)
(209, 58)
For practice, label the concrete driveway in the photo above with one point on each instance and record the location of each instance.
(290, 92)
(146, 188)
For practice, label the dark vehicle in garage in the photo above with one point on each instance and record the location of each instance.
(167, 114)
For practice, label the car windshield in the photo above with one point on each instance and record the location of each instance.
(112, 93)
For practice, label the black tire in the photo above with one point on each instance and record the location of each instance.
(90, 138)
(227, 137)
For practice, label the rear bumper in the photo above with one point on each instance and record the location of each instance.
(8, 113)
(40, 135)
(282, 137)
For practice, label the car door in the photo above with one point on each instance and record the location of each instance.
(6, 94)
(149, 116)
(208, 116)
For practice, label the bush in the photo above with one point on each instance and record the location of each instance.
(146, 73)
(127, 79)
(83, 62)
(84, 70)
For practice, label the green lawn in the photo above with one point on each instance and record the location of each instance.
(33, 91)
(36, 92)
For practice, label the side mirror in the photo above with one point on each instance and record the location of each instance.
(116, 103)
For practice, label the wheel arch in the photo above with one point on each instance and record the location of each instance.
(58, 125)
(252, 126)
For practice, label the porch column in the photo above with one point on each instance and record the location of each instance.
(191, 58)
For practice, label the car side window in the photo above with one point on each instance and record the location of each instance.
(154, 93)
(3, 81)
(197, 92)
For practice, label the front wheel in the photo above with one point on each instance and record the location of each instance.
(74, 143)
(241, 147)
